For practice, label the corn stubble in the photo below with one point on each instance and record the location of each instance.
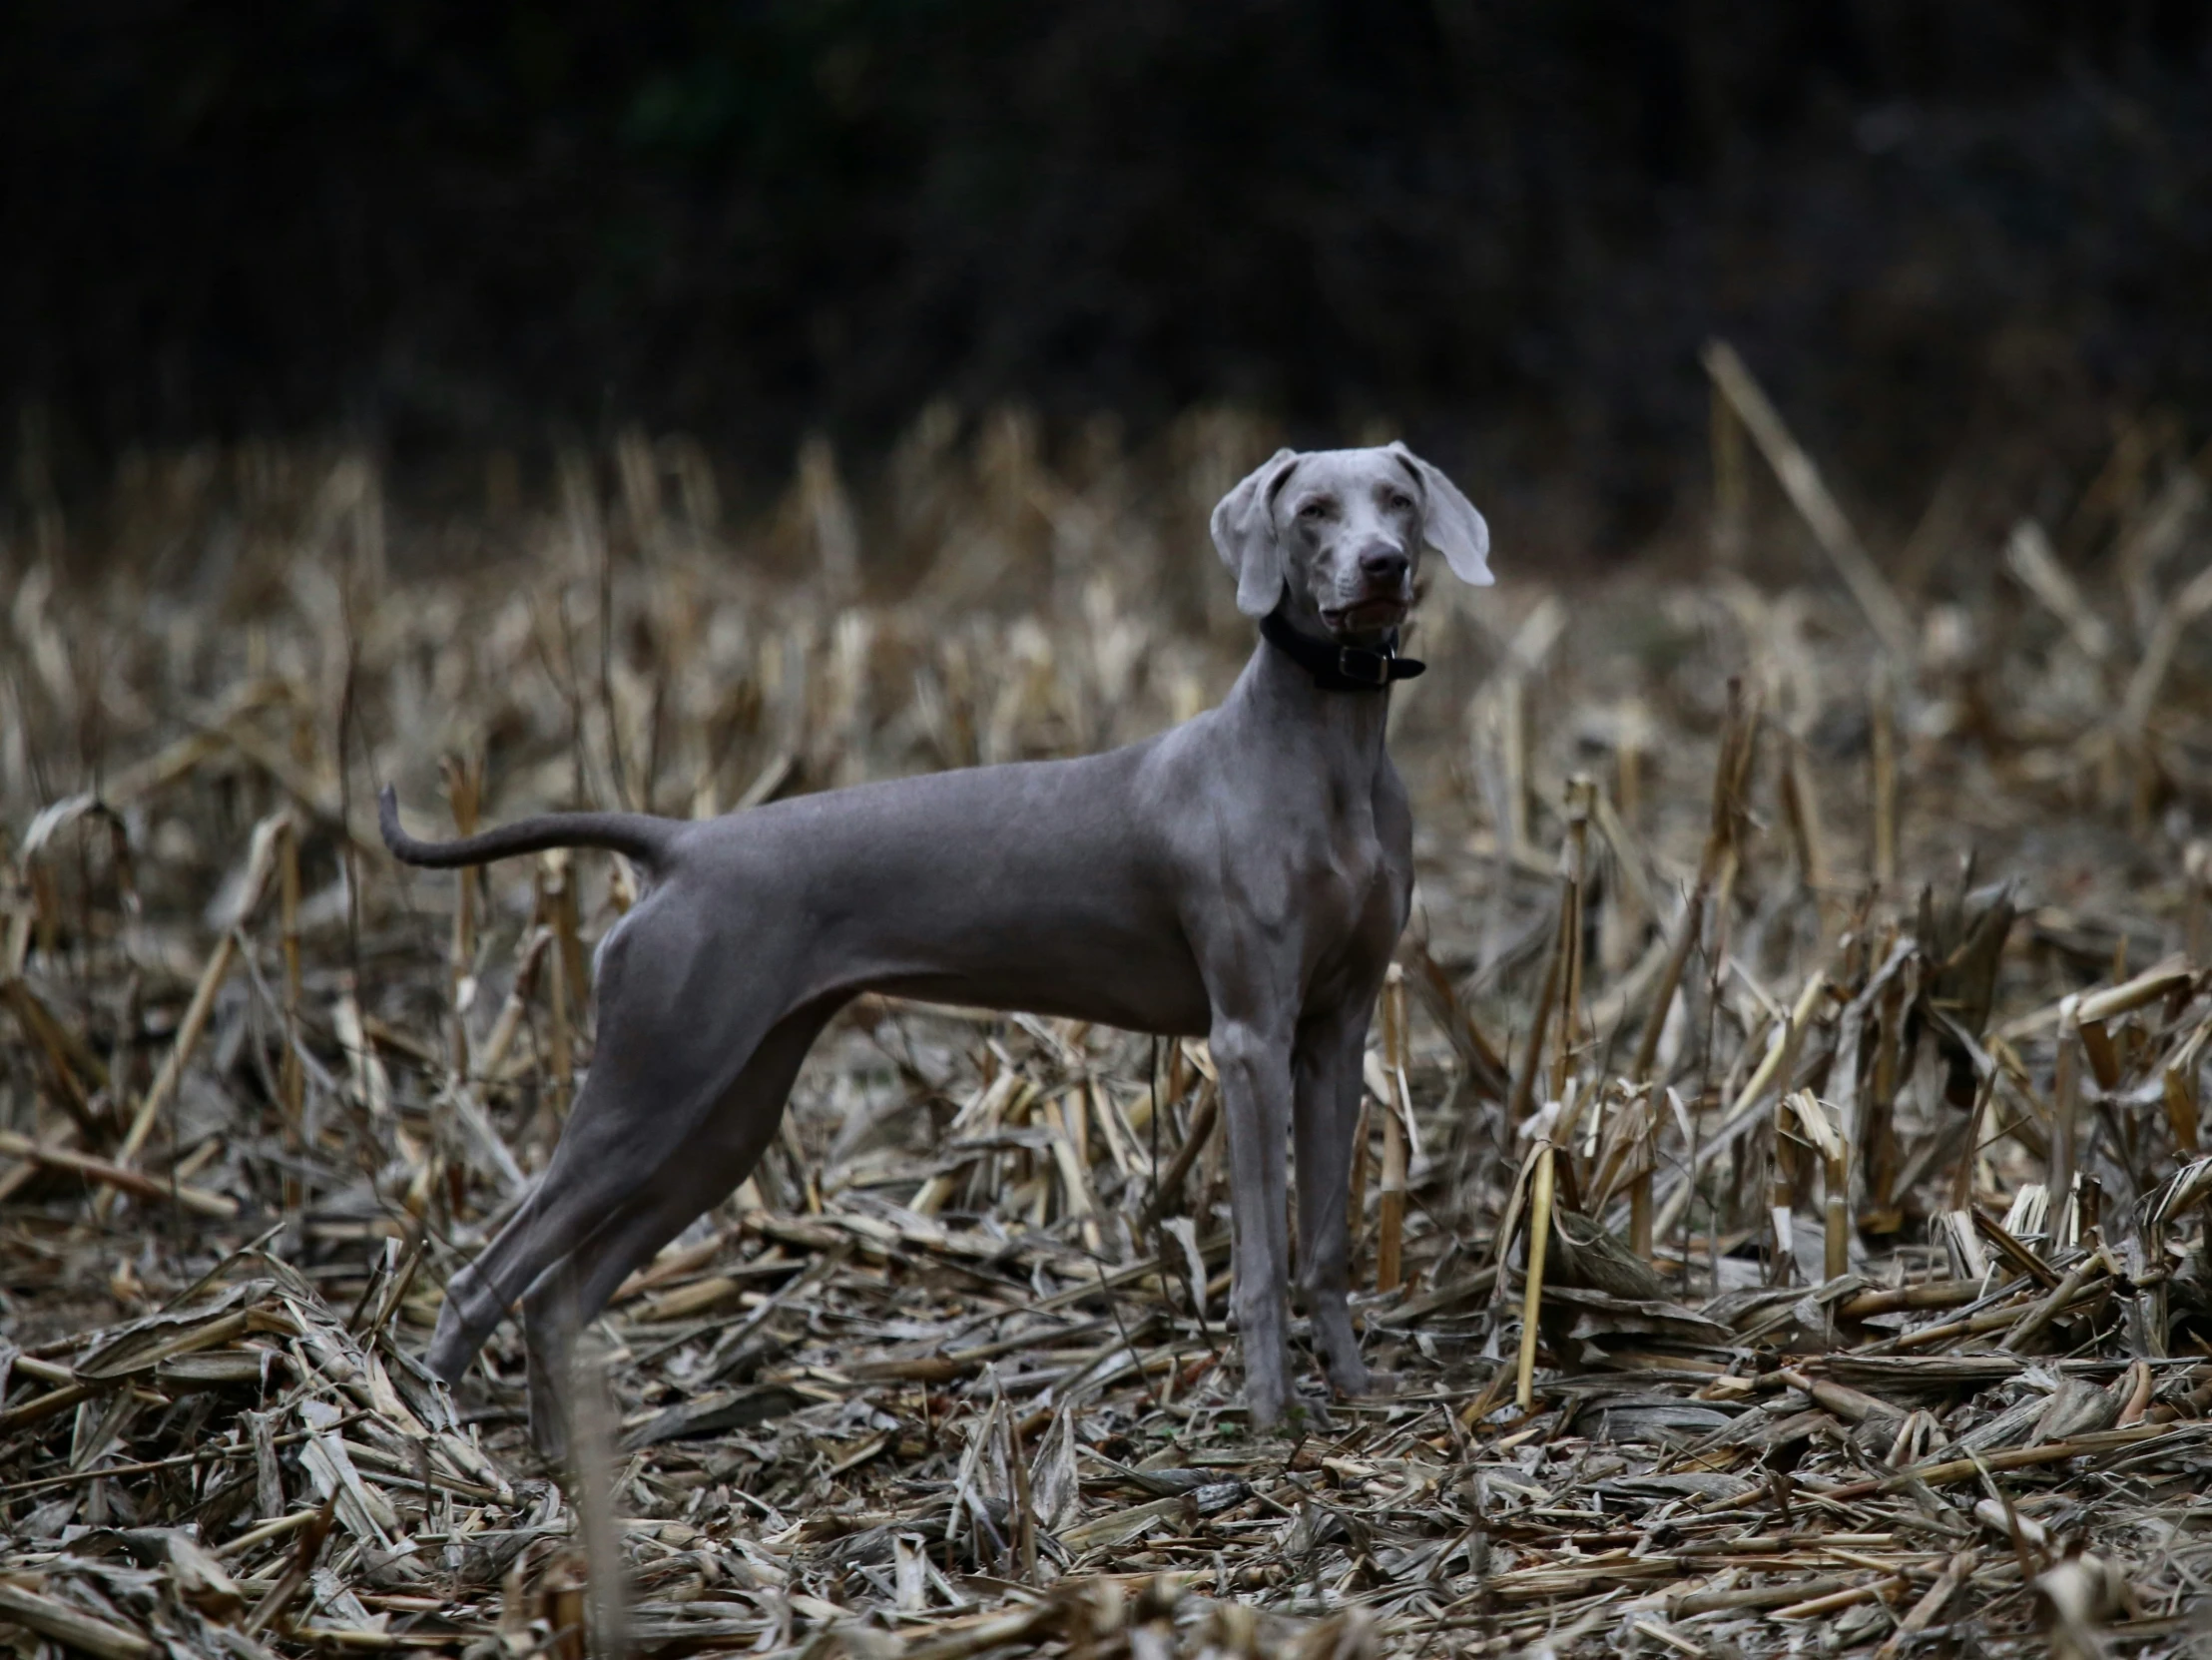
(1779, 1203)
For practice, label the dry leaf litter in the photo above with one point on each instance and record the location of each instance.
(1781, 1203)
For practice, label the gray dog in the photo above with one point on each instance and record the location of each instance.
(1241, 877)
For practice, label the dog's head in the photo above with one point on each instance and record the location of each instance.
(1340, 531)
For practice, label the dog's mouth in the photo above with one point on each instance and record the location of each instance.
(1369, 616)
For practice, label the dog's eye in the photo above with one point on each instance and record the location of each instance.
(1401, 502)
(1318, 508)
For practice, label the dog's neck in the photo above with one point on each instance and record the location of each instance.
(1285, 691)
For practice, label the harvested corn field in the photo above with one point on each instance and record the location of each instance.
(1781, 1202)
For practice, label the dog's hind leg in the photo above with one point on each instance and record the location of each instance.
(690, 1181)
(675, 1034)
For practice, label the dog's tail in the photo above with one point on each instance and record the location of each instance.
(637, 835)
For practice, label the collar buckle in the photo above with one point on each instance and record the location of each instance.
(1369, 668)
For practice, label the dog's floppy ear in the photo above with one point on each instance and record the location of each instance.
(1451, 525)
(1244, 534)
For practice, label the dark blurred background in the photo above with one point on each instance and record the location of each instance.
(1503, 228)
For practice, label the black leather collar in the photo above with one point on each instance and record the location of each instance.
(1340, 667)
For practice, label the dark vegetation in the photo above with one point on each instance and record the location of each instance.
(1507, 227)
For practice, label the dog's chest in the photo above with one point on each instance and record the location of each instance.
(1354, 881)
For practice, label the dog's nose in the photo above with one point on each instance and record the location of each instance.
(1383, 564)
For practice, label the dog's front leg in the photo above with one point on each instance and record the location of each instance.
(1254, 1064)
(1328, 1106)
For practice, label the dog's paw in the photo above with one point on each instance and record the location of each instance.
(1347, 1379)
